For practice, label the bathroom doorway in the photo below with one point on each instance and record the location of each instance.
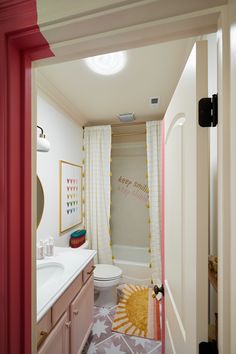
(130, 184)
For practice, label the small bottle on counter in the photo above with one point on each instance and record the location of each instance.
(50, 247)
(40, 250)
(45, 242)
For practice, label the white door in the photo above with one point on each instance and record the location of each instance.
(186, 210)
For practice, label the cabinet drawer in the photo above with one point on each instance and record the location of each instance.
(43, 327)
(63, 302)
(88, 271)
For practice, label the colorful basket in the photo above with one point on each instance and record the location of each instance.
(77, 242)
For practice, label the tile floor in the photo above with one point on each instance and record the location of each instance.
(103, 341)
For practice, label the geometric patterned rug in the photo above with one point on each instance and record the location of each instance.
(103, 341)
(137, 313)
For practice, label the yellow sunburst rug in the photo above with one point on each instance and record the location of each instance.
(138, 313)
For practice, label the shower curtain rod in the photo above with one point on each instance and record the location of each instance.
(127, 124)
(119, 124)
(128, 134)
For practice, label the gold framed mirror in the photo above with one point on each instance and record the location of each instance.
(40, 201)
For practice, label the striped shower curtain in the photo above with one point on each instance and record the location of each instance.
(97, 144)
(154, 154)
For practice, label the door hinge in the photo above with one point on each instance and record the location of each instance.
(208, 111)
(208, 348)
(159, 291)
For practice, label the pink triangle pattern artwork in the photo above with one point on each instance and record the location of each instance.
(70, 195)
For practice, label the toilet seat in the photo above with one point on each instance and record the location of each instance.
(107, 272)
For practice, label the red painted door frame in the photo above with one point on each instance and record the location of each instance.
(20, 43)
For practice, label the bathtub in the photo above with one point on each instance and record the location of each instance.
(134, 262)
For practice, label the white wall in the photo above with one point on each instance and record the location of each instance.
(129, 214)
(65, 137)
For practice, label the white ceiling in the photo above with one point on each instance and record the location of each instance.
(151, 71)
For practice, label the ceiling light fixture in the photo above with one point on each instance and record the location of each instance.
(107, 64)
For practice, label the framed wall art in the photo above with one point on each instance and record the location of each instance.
(70, 195)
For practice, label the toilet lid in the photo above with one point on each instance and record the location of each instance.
(107, 272)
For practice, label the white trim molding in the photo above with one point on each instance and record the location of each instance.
(121, 27)
(46, 87)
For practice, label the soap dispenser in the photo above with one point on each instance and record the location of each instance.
(50, 247)
(40, 250)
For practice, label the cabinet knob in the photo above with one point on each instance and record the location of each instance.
(92, 270)
(75, 312)
(43, 336)
(68, 324)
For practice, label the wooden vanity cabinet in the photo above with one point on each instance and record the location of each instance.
(57, 341)
(44, 326)
(63, 303)
(66, 326)
(81, 314)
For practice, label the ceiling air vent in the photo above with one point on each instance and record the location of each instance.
(126, 117)
(154, 100)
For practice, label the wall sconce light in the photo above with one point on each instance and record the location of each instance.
(43, 144)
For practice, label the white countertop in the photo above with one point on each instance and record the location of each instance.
(73, 261)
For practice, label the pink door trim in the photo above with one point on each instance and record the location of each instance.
(20, 43)
(163, 229)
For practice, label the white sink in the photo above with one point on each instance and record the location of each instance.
(47, 272)
(56, 273)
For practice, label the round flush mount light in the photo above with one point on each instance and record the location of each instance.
(107, 64)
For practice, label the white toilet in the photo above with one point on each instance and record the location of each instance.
(106, 279)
